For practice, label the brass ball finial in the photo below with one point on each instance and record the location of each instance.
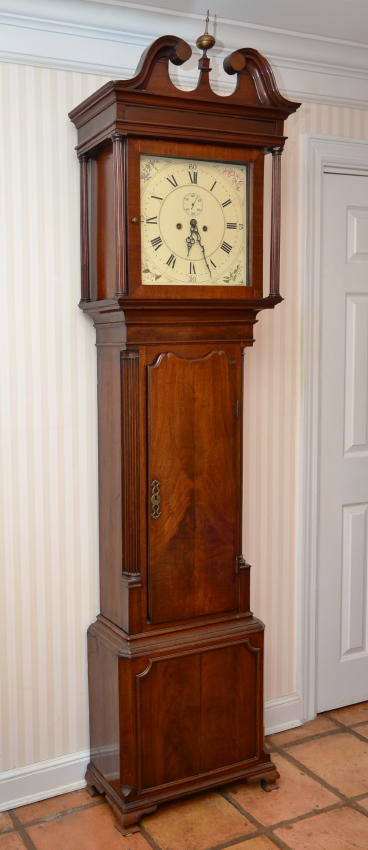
(206, 41)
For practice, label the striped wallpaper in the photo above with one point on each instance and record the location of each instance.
(48, 495)
(48, 473)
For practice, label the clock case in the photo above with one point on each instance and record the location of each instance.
(175, 657)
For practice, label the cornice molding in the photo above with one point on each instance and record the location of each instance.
(108, 38)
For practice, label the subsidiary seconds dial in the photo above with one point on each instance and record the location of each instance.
(193, 204)
(193, 222)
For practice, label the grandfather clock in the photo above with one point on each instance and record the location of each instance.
(172, 240)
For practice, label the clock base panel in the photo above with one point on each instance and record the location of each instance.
(171, 718)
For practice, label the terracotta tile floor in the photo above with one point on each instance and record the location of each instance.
(321, 804)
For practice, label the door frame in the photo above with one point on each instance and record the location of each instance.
(318, 152)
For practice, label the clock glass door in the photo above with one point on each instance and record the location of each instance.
(193, 221)
(193, 434)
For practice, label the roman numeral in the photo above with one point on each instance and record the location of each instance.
(212, 187)
(156, 198)
(226, 247)
(226, 203)
(193, 176)
(173, 181)
(171, 261)
(156, 243)
(152, 220)
(214, 264)
(231, 226)
(192, 269)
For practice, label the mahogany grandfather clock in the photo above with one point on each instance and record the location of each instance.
(172, 238)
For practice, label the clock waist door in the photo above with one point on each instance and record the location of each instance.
(193, 435)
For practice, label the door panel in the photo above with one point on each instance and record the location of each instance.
(343, 543)
(356, 374)
(229, 713)
(193, 440)
(169, 720)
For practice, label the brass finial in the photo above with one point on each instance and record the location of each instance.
(206, 41)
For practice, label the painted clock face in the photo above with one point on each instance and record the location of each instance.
(193, 222)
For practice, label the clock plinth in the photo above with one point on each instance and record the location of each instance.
(172, 241)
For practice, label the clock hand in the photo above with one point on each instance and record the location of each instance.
(194, 231)
(190, 240)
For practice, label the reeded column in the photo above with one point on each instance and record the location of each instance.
(84, 230)
(119, 214)
(130, 463)
(275, 221)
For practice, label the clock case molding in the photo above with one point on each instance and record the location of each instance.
(175, 674)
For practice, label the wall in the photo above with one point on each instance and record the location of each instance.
(48, 492)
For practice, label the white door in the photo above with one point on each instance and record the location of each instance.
(343, 517)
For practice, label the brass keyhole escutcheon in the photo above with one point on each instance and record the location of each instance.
(155, 499)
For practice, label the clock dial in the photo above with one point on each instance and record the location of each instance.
(193, 222)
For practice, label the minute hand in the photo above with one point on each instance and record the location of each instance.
(195, 231)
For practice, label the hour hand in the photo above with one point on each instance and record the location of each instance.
(190, 241)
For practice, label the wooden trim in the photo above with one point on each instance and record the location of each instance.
(119, 214)
(84, 230)
(275, 221)
(130, 463)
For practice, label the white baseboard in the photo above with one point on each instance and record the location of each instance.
(42, 780)
(283, 713)
(58, 776)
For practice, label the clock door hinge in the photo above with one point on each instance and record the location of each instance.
(237, 408)
(236, 564)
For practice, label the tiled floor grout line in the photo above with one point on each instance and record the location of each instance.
(249, 837)
(232, 842)
(151, 841)
(354, 804)
(261, 829)
(310, 773)
(329, 734)
(21, 830)
(355, 734)
(306, 815)
(333, 719)
(56, 815)
(351, 729)
(351, 801)
(283, 750)
(11, 828)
